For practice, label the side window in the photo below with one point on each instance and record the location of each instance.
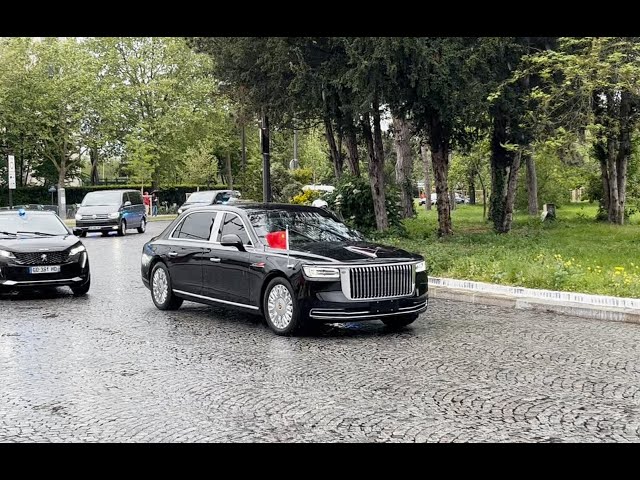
(222, 197)
(233, 224)
(135, 198)
(125, 198)
(196, 226)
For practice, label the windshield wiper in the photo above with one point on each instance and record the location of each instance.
(41, 233)
(9, 233)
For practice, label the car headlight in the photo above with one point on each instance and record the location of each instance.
(78, 216)
(76, 250)
(321, 272)
(6, 254)
(146, 259)
(114, 215)
(421, 266)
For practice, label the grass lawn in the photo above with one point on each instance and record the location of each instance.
(574, 253)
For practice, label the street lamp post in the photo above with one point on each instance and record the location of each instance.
(266, 161)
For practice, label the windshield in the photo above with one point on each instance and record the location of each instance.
(304, 226)
(201, 197)
(48, 224)
(104, 199)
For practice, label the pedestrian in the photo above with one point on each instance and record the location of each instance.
(147, 202)
(155, 201)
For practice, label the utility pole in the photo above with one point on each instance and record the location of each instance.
(244, 150)
(294, 163)
(266, 161)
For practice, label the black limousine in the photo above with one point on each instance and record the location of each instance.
(38, 250)
(294, 265)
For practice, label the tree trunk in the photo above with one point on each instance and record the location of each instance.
(511, 193)
(404, 164)
(439, 143)
(624, 152)
(472, 186)
(532, 185)
(376, 179)
(243, 139)
(95, 160)
(336, 158)
(425, 153)
(352, 148)
(229, 174)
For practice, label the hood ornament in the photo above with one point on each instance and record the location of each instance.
(367, 252)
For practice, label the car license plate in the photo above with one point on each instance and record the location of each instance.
(47, 269)
(95, 228)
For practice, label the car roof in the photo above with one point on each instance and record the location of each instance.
(29, 212)
(238, 206)
(121, 190)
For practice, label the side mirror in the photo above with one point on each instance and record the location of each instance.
(232, 240)
(127, 203)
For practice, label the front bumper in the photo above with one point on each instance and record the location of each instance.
(18, 276)
(326, 302)
(109, 225)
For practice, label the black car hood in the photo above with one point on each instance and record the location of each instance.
(357, 252)
(98, 210)
(38, 244)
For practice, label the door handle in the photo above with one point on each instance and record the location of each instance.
(214, 259)
(173, 254)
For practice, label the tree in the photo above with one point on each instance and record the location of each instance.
(404, 164)
(594, 83)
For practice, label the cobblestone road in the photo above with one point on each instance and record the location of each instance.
(110, 367)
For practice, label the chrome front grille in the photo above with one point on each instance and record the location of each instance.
(379, 281)
(42, 258)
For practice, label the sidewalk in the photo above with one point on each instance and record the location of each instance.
(615, 309)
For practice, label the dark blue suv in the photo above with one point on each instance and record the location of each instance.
(111, 211)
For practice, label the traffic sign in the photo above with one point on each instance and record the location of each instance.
(12, 172)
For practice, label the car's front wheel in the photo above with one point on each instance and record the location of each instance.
(161, 291)
(281, 310)
(122, 229)
(81, 290)
(401, 321)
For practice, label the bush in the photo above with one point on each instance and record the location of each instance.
(353, 200)
(307, 197)
(41, 195)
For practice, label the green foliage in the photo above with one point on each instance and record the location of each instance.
(307, 197)
(575, 253)
(353, 201)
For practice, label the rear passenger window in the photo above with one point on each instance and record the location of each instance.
(196, 226)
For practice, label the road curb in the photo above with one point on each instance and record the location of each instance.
(598, 307)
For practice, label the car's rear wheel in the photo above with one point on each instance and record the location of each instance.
(280, 307)
(143, 226)
(161, 291)
(81, 290)
(401, 321)
(122, 229)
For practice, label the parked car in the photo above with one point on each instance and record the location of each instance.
(293, 264)
(209, 197)
(434, 199)
(37, 249)
(111, 211)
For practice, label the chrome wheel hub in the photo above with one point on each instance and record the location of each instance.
(280, 306)
(160, 286)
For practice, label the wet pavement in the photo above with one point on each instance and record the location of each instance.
(110, 367)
